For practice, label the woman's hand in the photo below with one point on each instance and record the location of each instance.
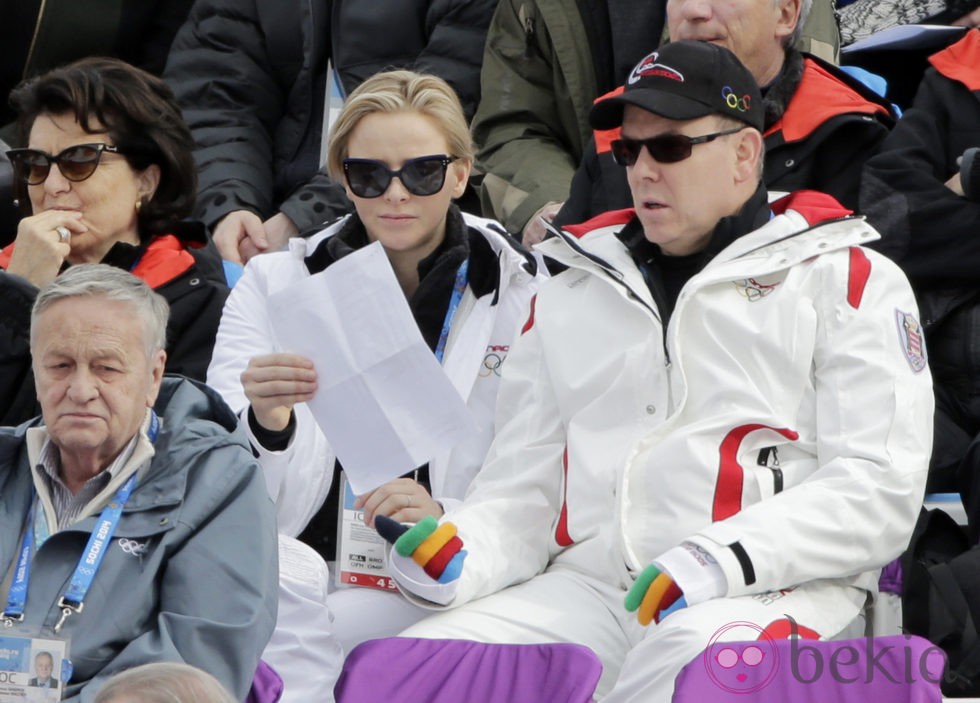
(274, 383)
(39, 250)
(403, 500)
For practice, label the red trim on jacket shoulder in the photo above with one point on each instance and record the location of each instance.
(5, 255)
(786, 629)
(606, 219)
(816, 207)
(819, 97)
(530, 318)
(857, 276)
(164, 260)
(604, 137)
(728, 488)
(561, 529)
(961, 61)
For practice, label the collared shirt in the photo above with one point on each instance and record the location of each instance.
(62, 507)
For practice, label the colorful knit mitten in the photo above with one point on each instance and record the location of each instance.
(434, 547)
(654, 595)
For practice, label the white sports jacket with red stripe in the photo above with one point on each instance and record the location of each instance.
(783, 422)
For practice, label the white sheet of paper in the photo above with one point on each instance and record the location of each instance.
(384, 403)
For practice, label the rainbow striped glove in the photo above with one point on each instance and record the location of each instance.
(434, 547)
(654, 596)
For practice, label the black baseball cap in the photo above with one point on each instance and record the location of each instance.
(685, 80)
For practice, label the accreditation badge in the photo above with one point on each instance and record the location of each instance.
(360, 549)
(32, 669)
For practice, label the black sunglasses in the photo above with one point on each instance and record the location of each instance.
(665, 149)
(425, 175)
(76, 163)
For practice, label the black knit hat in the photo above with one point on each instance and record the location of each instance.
(685, 80)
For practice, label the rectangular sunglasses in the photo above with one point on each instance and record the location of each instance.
(425, 175)
(76, 163)
(665, 148)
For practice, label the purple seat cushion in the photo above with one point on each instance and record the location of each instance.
(266, 685)
(897, 669)
(407, 670)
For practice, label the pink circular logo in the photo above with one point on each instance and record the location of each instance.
(738, 665)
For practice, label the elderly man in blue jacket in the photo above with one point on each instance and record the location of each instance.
(134, 522)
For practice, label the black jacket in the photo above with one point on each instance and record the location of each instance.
(931, 232)
(251, 75)
(196, 294)
(821, 127)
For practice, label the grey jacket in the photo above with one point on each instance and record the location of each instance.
(201, 589)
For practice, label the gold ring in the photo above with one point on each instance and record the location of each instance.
(64, 234)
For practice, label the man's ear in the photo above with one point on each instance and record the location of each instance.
(157, 365)
(788, 17)
(748, 154)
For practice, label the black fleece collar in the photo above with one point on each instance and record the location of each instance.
(665, 275)
(777, 95)
(437, 271)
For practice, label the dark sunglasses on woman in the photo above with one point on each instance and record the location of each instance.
(425, 175)
(76, 163)
(665, 149)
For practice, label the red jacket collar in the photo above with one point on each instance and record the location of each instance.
(961, 61)
(606, 219)
(816, 207)
(820, 96)
(164, 260)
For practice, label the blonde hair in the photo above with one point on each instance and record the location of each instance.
(400, 91)
(163, 682)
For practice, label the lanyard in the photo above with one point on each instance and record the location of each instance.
(88, 564)
(457, 295)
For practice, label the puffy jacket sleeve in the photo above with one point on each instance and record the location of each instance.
(232, 101)
(299, 476)
(874, 407)
(457, 33)
(926, 227)
(531, 125)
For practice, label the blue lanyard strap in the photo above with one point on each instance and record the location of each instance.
(88, 565)
(457, 296)
(17, 597)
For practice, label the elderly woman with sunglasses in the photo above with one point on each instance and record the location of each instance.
(107, 176)
(402, 147)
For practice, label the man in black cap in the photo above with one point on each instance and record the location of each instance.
(682, 421)
(820, 124)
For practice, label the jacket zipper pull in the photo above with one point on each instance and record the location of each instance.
(527, 19)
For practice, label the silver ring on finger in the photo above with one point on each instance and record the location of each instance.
(409, 500)
(64, 234)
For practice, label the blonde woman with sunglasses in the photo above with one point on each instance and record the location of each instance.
(402, 148)
(107, 176)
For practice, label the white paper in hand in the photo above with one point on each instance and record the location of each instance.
(384, 402)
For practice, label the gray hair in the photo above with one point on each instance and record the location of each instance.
(102, 280)
(163, 682)
(794, 37)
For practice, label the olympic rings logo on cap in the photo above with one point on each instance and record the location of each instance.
(742, 104)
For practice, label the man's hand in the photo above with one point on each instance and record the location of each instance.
(403, 500)
(434, 547)
(654, 596)
(274, 383)
(534, 230)
(237, 232)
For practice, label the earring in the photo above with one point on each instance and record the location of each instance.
(139, 204)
